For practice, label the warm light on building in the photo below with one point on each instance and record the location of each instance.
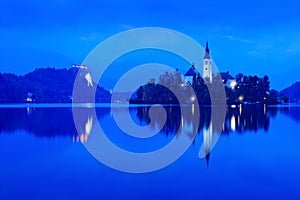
(233, 84)
(241, 98)
(193, 98)
(29, 99)
(79, 66)
(88, 78)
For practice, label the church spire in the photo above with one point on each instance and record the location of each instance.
(207, 51)
(207, 65)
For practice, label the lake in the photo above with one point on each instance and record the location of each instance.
(257, 156)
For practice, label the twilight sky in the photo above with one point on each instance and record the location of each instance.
(253, 37)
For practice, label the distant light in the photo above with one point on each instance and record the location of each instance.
(233, 84)
(29, 99)
(182, 84)
(79, 66)
(241, 98)
(193, 98)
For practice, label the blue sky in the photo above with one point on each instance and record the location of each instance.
(254, 37)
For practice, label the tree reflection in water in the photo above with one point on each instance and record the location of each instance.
(52, 122)
(239, 119)
(48, 122)
(55, 122)
(58, 122)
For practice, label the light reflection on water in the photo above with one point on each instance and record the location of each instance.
(254, 160)
(58, 121)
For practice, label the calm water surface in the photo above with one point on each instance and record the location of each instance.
(256, 157)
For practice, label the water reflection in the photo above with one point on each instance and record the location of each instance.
(207, 142)
(293, 112)
(54, 122)
(84, 135)
(247, 118)
(238, 119)
(48, 122)
(58, 122)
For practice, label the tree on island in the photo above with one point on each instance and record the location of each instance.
(159, 93)
(247, 89)
(252, 89)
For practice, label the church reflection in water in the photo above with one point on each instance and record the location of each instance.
(58, 122)
(239, 119)
(53, 122)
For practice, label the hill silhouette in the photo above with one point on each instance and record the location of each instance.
(293, 92)
(49, 85)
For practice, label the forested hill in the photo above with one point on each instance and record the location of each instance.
(293, 92)
(48, 85)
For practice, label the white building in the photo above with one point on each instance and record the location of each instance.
(207, 66)
(206, 72)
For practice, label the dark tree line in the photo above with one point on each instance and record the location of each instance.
(246, 89)
(161, 92)
(46, 85)
(253, 89)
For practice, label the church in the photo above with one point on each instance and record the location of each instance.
(207, 73)
(206, 70)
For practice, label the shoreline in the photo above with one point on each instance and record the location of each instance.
(99, 105)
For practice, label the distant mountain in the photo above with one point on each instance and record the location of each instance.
(293, 92)
(50, 85)
(23, 59)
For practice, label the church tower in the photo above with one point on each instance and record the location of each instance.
(207, 68)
